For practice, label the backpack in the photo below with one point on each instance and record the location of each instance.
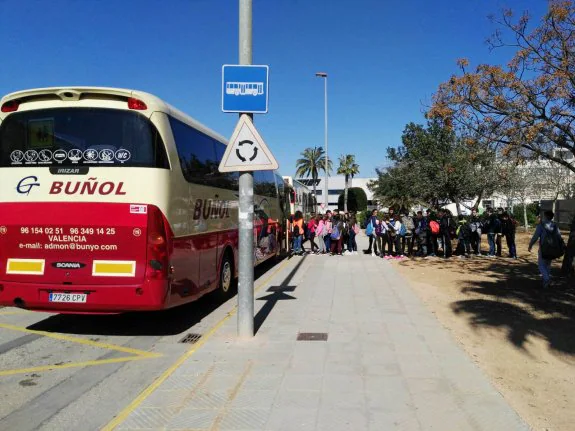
(335, 232)
(295, 230)
(434, 226)
(552, 246)
(369, 228)
(402, 230)
(356, 228)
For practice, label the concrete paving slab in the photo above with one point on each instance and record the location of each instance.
(386, 363)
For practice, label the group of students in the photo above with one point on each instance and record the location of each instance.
(331, 233)
(399, 235)
(395, 236)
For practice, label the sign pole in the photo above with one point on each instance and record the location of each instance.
(246, 201)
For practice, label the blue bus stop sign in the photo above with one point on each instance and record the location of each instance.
(245, 88)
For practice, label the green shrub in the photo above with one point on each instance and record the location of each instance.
(532, 213)
(356, 200)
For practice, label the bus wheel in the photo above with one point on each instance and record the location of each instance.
(226, 286)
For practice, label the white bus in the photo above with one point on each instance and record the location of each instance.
(301, 198)
(111, 200)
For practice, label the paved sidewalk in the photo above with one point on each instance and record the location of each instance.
(387, 363)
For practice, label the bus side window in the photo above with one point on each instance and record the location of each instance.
(196, 152)
(226, 180)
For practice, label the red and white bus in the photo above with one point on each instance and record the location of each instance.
(111, 201)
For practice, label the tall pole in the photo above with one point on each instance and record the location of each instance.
(246, 202)
(325, 137)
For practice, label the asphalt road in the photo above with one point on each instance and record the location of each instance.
(76, 372)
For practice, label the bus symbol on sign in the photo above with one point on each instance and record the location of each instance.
(245, 88)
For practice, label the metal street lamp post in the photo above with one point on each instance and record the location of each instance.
(326, 191)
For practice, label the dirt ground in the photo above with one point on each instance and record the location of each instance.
(521, 336)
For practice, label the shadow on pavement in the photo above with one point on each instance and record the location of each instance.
(159, 323)
(512, 299)
(278, 294)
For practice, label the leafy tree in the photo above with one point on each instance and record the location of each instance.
(433, 166)
(311, 162)
(528, 106)
(349, 169)
(357, 200)
(394, 187)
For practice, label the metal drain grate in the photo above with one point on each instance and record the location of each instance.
(191, 338)
(312, 336)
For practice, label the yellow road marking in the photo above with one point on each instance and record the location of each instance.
(84, 341)
(121, 417)
(71, 365)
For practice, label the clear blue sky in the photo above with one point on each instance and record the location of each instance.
(384, 59)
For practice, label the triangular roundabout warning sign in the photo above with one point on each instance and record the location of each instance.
(246, 150)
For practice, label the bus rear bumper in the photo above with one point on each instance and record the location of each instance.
(99, 298)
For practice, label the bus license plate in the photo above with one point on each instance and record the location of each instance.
(67, 297)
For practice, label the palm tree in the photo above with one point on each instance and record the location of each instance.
(349, 168)
(312, 161)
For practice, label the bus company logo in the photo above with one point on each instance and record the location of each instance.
(60, 155)
(90, 187)
(68, 265)
(209, 208)
(137, 231)
(26, 184)
(123, 155)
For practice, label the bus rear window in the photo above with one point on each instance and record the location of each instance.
(80, 136)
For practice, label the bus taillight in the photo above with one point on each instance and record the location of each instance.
(157, 265)
(137, 104)
(10, 106)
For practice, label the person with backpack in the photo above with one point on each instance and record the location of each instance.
(433, 234)
(508, 225)
(369, 231)
(463, 233)
(445, 226)
(380, 238)
(421, 231)
(395, 230)
(353, 232)
(336, 236)
(409, 237)
(328, 229)
(297, 233)
(492, 226)
(311, 232)
(321, 231)
(476, 227)
(551, 245)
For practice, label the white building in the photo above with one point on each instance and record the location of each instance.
(336, 187)
(533, 181)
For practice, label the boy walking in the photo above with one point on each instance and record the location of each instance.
(551, 245)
